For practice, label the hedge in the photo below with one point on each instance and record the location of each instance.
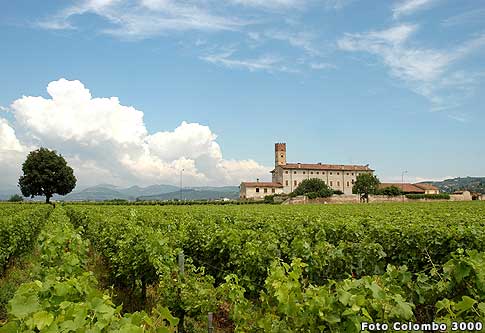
(429, 196)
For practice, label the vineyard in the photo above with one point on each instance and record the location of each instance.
(256, 268)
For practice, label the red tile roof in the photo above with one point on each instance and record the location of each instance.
(426, 186)
(406, 187)
(261, 184)
(320, 166)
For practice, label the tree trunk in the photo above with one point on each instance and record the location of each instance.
(48, 198)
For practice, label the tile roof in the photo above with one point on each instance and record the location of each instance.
(261, 184)
(426, 186)
(320, 166)
(406, 187)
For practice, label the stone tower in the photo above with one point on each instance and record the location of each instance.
(279, 154)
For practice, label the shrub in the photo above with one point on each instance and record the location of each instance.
(16, 198)
(312, 195)
(444, 196)
(269, 199)
(338, 192)
(313, 185)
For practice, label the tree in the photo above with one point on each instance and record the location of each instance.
(16, 198)
(391, 191)
(365, 184)
(46, 173)
(313, 185)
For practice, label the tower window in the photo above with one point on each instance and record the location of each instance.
(318, 173)
(348, 184)
(295, 182)
(287, 183)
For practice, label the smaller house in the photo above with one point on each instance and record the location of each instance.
(258, 190)
(408, 188)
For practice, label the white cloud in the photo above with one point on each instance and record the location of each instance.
(8, 139)
(106, 141)
(273, 4)
(407, 7)
(145, 18)
(267, 63)
(425, 70)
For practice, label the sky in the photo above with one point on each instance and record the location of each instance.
(131, 92)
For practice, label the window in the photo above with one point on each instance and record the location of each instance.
(286, 171)
(323, 173)
(352, 181)
(273, 190)
(347, 173)
(287, 182)
(318, 173)
(311, 173)
(331, 182)
(338, 173)
(303, 172)
(257, 189)
(295, 182)
(338, 183)
(348, 184)
(294, 172)
(265, 190)
(352, 173)
(330, 173)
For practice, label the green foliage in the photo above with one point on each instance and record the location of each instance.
(338, 192)
(19, 228)
(16, 198)
(365, 184)
(391, 191)
(440, 196)
(313, 185)
(65, 297)
(46, 173)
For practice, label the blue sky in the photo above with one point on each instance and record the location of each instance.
(396, 84)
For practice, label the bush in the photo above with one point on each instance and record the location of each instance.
(313, 185)
(445, 196)
(16, 198)
(338, 192)
(312, 195)
(269, 199)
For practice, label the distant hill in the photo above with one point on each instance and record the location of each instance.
(212, 193)
(472, 184)
(154, 192)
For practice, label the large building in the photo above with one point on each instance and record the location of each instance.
(287, 176)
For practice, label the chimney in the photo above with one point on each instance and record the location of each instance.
(257, 180)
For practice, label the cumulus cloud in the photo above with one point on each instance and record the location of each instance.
(106, 141)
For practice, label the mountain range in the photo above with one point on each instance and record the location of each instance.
(472, 184)
(104, 192)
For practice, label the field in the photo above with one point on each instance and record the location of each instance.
(257, 268)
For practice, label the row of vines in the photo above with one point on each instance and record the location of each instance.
(287, 269)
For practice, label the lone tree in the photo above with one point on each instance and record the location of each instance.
(365, 184)
(46, 173)
(315, 186)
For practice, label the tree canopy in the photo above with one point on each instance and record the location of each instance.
(16, 198)
(315, 186)
(365, 184)
(46, 173)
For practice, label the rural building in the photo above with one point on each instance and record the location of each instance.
(408, 188)
(258, 190)
(287, 176)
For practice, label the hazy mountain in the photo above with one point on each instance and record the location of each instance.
(154, 192)
(472, 184)
(6, 193)
(212, 193)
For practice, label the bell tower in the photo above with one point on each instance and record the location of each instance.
(279, 154)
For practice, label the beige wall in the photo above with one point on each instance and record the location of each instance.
(337, 180)
(250, 192)
(431, 191)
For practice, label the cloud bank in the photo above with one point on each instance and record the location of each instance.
(107, 142)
